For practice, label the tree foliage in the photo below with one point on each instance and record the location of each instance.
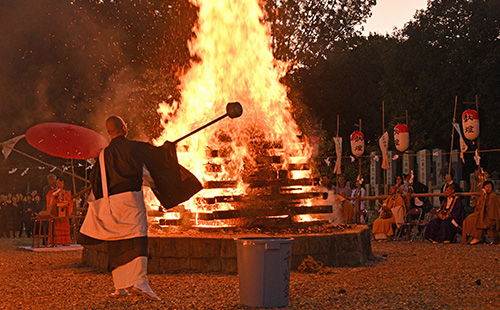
(303, 31)
(451, 50)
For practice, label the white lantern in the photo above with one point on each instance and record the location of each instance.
(357, 143)
(470, 124)
(401, 137)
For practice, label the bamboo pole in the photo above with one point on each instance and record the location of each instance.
(338, 128)
(383, 131)
(452, 134)
(73, 177)
(382, 197)
(477, 148)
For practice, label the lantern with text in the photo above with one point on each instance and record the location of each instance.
(357, 143)
(401, 137)
(470, 124)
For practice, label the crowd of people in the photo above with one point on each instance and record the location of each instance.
(17, 213)
(474, 218)
(451, 219)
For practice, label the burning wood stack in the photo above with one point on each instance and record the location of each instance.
(255, 169)
(273, 197)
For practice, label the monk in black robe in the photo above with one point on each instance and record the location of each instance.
(448, 220)
(117, 213)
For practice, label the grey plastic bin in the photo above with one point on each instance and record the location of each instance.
(264, 271)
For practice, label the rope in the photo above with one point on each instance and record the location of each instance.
(309, 265)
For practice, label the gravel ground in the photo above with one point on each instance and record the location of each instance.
(417, 275)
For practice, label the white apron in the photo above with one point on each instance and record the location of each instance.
(116, 217)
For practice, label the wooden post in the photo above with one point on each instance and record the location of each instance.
(337, 178)
(383, 131)
(477, 147)
(452, 134)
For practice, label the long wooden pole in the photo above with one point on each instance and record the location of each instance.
(477, 109)
(338, 128)
(359, 158)
(383, 131)
(452, 134)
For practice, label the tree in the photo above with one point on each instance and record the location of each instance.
(451, 49)
(303, 31)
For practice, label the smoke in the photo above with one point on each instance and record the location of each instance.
(61, 61)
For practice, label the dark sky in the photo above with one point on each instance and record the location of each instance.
(80, 61)
(74, 63)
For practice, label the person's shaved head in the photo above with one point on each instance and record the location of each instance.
(116, 126)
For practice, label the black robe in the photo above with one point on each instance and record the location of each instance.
(124, 158)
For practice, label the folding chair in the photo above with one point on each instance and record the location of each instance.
(412, 220)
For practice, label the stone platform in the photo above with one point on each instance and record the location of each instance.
(217, 253)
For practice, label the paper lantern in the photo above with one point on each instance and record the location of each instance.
(401, 137)
(470, 124)
(357, 143)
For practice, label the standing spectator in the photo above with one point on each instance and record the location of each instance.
(12, 215)
(56, 199)
(361, 192)
(27, 214)
(51, 180)
(37, 204)
(402, 189)
(343, 187)
(3, 216)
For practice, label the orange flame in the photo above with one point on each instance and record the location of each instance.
(236, 64)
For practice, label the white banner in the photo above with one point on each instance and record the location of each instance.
(8, 145)
(463, 145)
(384, 147)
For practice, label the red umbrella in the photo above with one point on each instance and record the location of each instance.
(66, 140)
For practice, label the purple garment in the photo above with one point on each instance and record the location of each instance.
(444, 230)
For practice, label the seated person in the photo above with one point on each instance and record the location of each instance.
(418, 188)
(346, 209)
(392, 211)
(486, 217)
(448, 180)
(448, 219)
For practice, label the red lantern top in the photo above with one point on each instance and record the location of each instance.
(470, 115)
(357, 136)
(401, 128)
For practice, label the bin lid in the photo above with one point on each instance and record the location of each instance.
(263, 240)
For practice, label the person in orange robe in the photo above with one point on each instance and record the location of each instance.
(59, 199)
(382, 226)
(486, 218)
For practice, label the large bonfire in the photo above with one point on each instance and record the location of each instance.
(234, 63)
